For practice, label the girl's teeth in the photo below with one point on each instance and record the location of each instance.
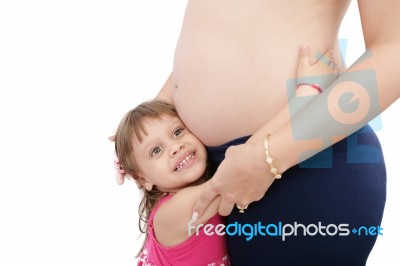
(181, 164)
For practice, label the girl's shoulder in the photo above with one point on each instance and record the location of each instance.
(162, 200)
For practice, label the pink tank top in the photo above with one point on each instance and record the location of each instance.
(197, 250)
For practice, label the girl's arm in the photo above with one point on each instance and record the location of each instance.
(171, 221)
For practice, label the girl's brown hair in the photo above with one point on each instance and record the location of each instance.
(131, 126)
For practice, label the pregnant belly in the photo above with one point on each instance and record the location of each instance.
(221, 104)
(230, 70)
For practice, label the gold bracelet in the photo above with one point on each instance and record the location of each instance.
(269, 160)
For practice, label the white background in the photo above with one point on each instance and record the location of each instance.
(68, 71)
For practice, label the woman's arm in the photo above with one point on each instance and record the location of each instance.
(373, 82)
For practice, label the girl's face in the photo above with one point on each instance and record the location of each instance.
(169, 156)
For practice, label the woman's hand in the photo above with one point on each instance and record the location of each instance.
(242, 177)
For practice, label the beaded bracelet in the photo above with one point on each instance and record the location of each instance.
(314, 86)
(269, 160)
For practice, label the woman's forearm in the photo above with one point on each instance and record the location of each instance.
(361, 93)
(283, 118)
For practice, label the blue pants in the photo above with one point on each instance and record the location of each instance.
(344, 184)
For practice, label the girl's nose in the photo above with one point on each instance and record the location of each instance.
(176, 148)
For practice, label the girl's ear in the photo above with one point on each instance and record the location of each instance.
(144, 182)
(112, 138)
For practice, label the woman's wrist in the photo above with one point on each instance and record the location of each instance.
(288, 151)
(257, 159)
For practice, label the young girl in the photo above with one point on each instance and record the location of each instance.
(169, 165)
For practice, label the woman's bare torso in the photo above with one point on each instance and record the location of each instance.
(233, 59)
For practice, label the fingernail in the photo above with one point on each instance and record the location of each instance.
(304, 47)
(195, 215)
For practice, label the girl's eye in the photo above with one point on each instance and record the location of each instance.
(177, 132)
(155, 151)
